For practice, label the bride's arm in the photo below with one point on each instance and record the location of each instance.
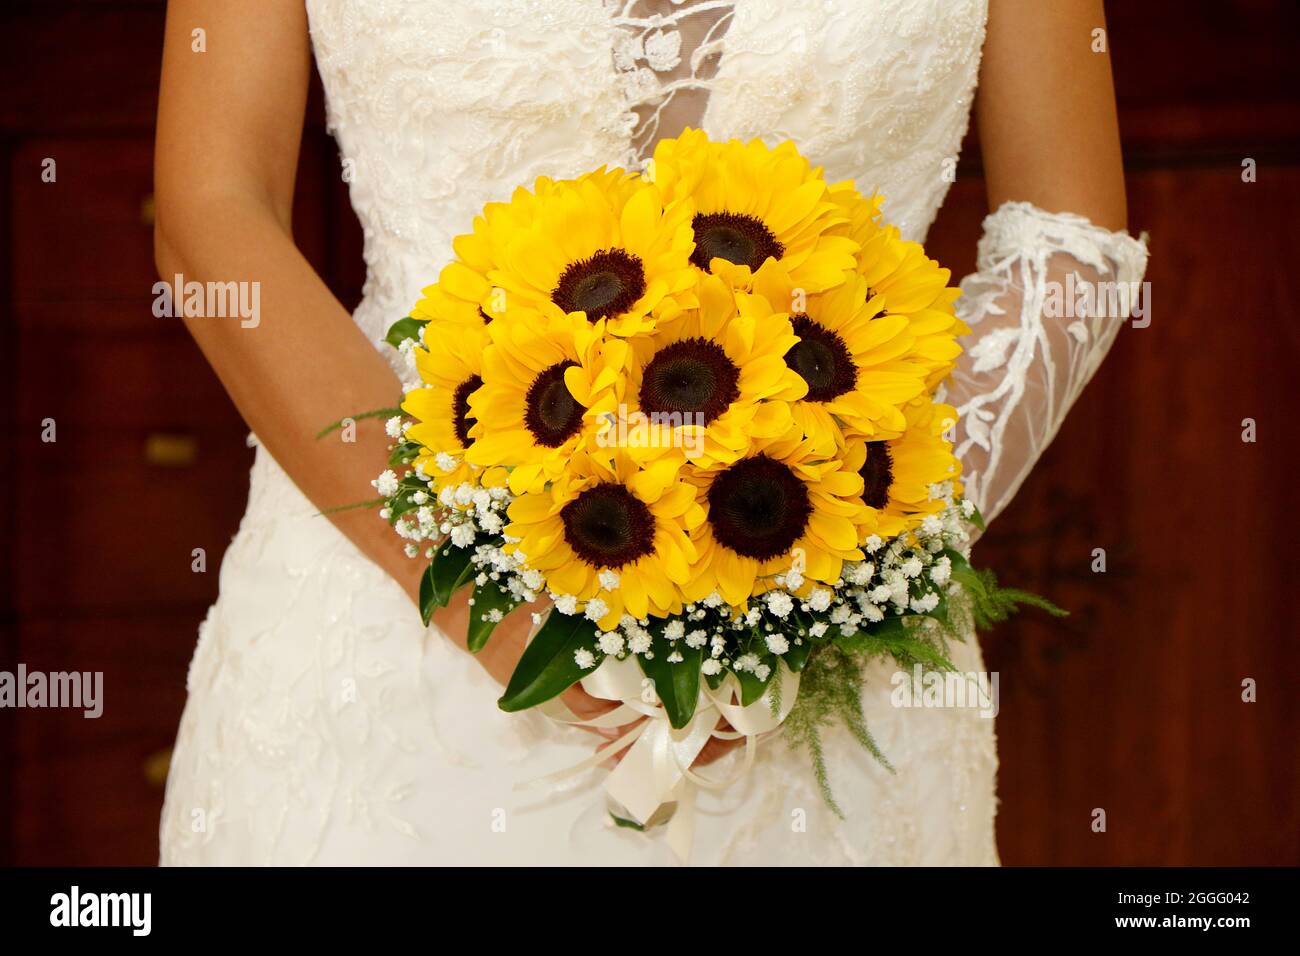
(229, 127)
(1055, 180)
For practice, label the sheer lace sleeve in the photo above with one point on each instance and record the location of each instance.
(1044, 307)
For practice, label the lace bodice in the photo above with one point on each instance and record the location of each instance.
(440, 107)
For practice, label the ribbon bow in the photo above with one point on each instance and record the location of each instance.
(656, 771)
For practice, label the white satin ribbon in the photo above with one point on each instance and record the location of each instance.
(657, 769)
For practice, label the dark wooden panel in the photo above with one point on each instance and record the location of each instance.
(1207, 78)
(96, 380)
(62, 229)
(90, 790)
(1205, 53)
(100, 529)
(102, 200)
(80, 67)
(1134, 704)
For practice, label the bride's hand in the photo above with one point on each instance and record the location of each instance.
(507, 644)
(714, 748)
(505, 647)
(717, 748)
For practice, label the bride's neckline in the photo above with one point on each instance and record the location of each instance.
(667, 57)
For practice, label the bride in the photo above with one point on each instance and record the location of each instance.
(324, 724)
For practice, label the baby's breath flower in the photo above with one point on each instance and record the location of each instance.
(941, 570)
(820, 599)
(925, 603)
(386, 483)
(779, 603)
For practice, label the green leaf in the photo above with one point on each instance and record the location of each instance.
(977, 520)
(892, 636)
(990, 602)
(919, 650)
(428, 598)
(403, 329)
(797, 656)
(403, 502)
(890, 627)
(488, 597)
(940, 612)
(751, 688)
(450, 569)
(963, 572)
(547, 668)
(800, 622)
(677, 684)
(402, 453)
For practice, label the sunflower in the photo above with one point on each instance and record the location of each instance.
(436, 304)
(602, 245)
(858, 364)
(782, 505)
(898, 473)
(753, 203)
(450, 365)
(611, 534)
(547, 377)
(464, 288)
(710, 380)
(910, 284)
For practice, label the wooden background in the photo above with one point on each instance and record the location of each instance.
(1132, 706)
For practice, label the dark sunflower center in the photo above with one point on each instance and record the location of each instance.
(692, 376)
(822, 360)
(606, 284)
(462, 420)
(877, 475)
(484, 316)
(608, 527)
(758, 508)
(733, 236)
(551, 412)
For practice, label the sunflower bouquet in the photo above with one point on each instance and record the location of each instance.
(692, 409)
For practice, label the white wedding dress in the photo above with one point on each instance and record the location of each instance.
(324, 724)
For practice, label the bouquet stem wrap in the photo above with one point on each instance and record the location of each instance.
(656, 770)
